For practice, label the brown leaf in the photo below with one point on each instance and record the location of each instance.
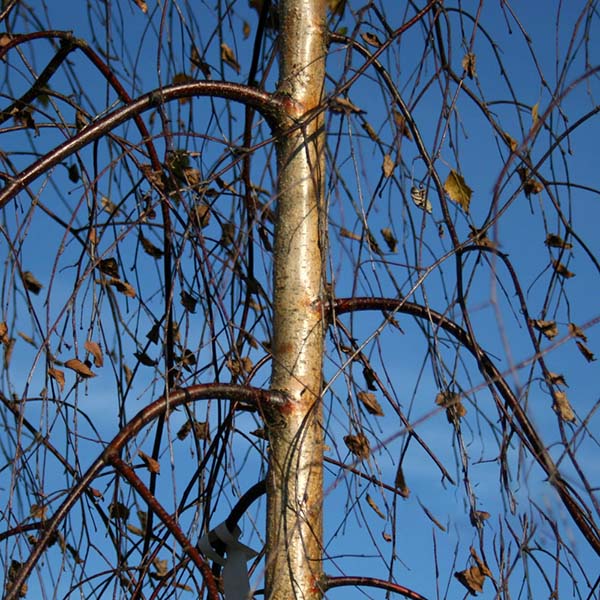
(400, 482)
(123, 287)
(468, 64)
(4, 333)
(161, 566)
(386, 536)
(562, 270)
(370, 403)
(562, 407)
(142, 5)
(458, 190)
(431, 516)
(117, 510)
(390, 240)
(150, 248)
(374, 506)
(31, 283)
(587, 353)
(201, 215)
(228, 57)
(241, 366)
(246, 30)
(512, 143)
(532, 186)
(546, 328)
(80, 120)
(151, 464)
(349, 234)
(145, 359)
(358, 444)
(38, 511)
(109, 266)
(58, 376)
(371, 39)
(94, 349)
(535, 112)
(556, 379)
(74, 173)
(370, 378)
(576, 331)
(79, 367)
(370, 131)
(188, 301)
(343, 105)
(453, 405)
(27, 338)
(388, 166)
(474, 577)
(479, 237)
(402, 127)
(109, 206)
(555, 241)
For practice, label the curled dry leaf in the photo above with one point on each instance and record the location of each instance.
(474, 577)
(556, 379)
(109, 266)
(374, 506)
(469, 62)
(145, 359)
(390, 240)
(371, 39)
(458, 190)
(343, 105)
(228, 57)
(188, 301)
(400, 482)
(401, 126)
(74, 173)
(58, 376)
(453, 405)
(370, 403)
(562, 270)
(151, 463)
(532, 186)
(479, 237)
(555, 241)
(358, 444)
(388, 166)
(419, 197)
(370, 131)
(576, 331)
(546, 328)
(150, 248)
(94, 349)
(109, 206)
(4, 338)
(240, 366)
(31, 283)
(512, 143)
(587, 353)
(349, 234)
(562, 407)
(123, 287)
(79, 367)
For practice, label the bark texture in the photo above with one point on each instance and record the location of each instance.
(295, 482)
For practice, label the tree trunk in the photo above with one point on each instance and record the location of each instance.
(295, 482)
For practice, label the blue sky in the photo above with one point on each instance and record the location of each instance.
(355, 543)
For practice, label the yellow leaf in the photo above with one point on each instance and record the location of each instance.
(228, 57)
(58, 376)
(562, 407)
(458, 190)
(94, 349)
(79, 367)
(534, 112)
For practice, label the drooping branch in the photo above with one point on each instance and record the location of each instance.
(255, 397)
(374, 582)
(511, 409)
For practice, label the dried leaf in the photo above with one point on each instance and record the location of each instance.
(228, 57)
(8, 350)
(343, 105)
(374, 506)
(390, 240)
(555, 241)
(145, 359)
(133, 529)
(479, 237)
(370, 131)
(370, 379)
(123, 287)
(534, 113)
(562, 270)
(151, 463)
(201, 215)
(358, 444)
(477, 517)
(562, 407)
(161, 566)
(576, 331)
(587, 353)
(349, 234)
(109, 266)
(241, 366)
(386, 536)
(370, 403)
(474, 577)
(468, 64)
(532, 186)
(74, 173)
(27, 338)
(556, 379)
(400, 482)
(109, 206)
(453, 405)
(142, 5)
(117, 510)
(150, 248)
(430, 516)
(419, 197)
(458, 190)
(31, 283)
(388, 166)
(80, 120)
(512, 143)
(401, 126)
(371, 39)
(4, 333)
(79, 367)
(246, 30)
(38, 511)
(94, 349)
(547, 328)
(188, 301)
(58, 376)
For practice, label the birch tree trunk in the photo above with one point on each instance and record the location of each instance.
(295, 482)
